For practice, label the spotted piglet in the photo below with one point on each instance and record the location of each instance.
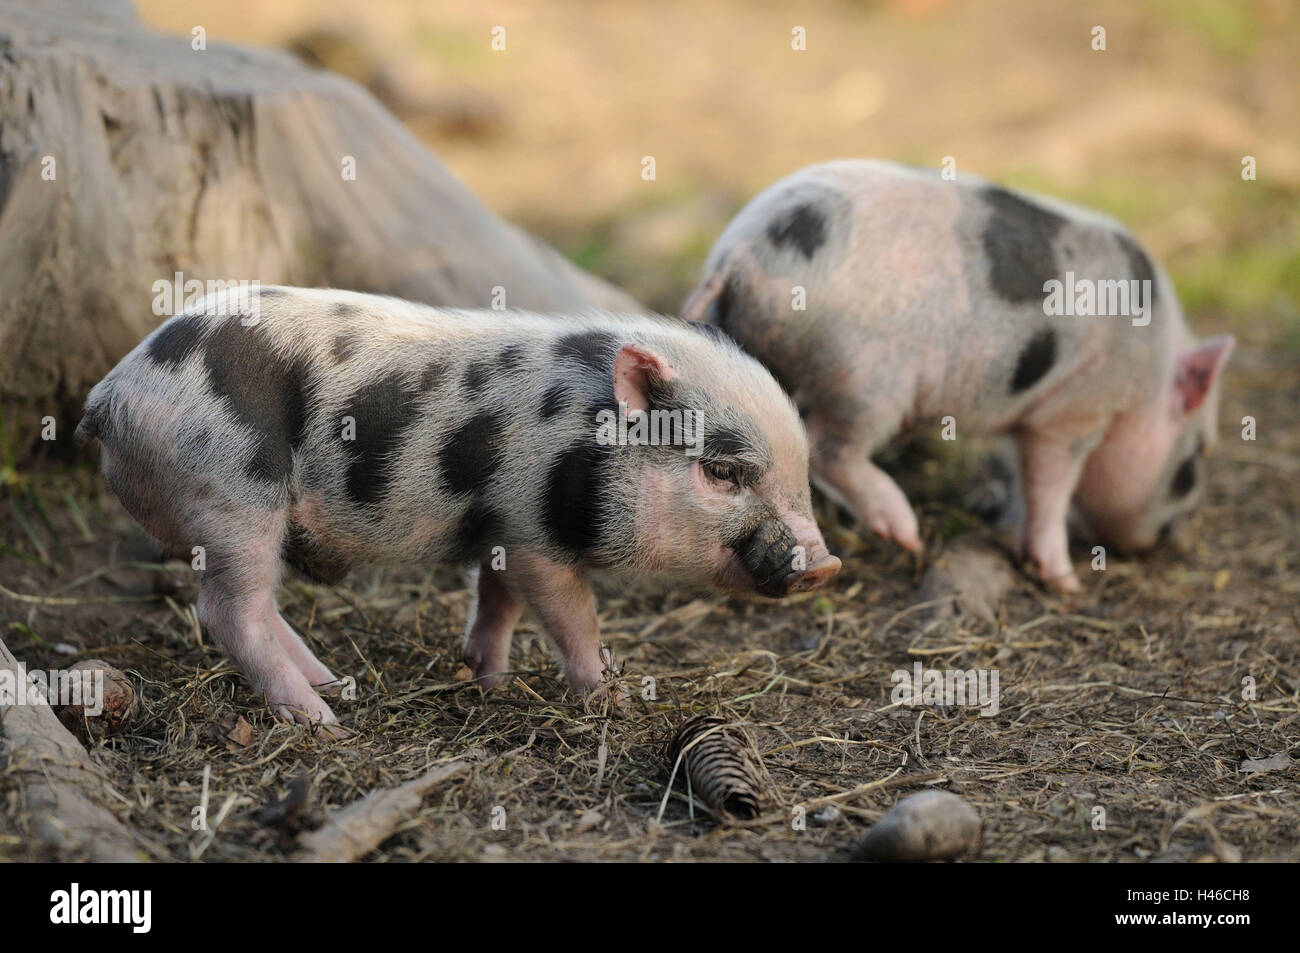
(327, 428)
(881, 296)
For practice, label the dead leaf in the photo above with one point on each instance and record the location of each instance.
(1274, 762)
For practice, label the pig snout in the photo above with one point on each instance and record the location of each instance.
(814, 577)
(769, 554)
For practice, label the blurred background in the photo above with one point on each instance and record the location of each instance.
(551, 132)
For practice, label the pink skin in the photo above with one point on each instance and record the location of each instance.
(237, 606)
(492, 622)
(820, 565)
(727, 572)
(561, 598)
(846, 474)
(665, 542)
(317, 675)
(237, 602)
(660, 528)
(1120, 475)
(1119, 491)
(1051, 469)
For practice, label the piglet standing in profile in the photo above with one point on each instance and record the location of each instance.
(327, 428)
(881, 296)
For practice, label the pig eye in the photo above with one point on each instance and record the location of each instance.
(722, 473)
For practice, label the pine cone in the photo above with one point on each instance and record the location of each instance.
(721, 765)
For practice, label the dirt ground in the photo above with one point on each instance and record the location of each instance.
(1127, 698)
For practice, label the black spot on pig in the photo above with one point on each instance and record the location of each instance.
(382, 410)
(725, 443)
(472, 454)
(767, 553)
(1035, 361)
(476, 376)
(477, 531)
(573, 513)
(803, 227)
(265, 391)
(554, 400)
(203, 436)
(510, 358)
(432, 375)
(729, 308)
(592, 349)
(1139, 266)
(176, 340)
(344, 310)
(345, 345)
(312, 560)
(1017, 239)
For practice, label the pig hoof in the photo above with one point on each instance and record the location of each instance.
(904, 532)
(334, 733)
(1067, 583)
(1061, 582)
(315, 713)
(620, 698)
(486, 675)
(333, 686)
(583, 683)
(588, 673)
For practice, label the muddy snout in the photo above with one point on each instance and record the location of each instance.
(781, 564)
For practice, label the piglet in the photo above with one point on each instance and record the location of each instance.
(326, 428)
(881, 296)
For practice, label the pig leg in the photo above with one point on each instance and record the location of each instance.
(561, 597)
(236, 591)
(492, 621)
(845, 472)
(302, 657)
(1049, 470)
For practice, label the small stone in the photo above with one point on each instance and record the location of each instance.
(931, 825)
(971, 578)
(827, 815)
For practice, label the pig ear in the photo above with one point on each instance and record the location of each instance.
(636, 370)
(1199, 368)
